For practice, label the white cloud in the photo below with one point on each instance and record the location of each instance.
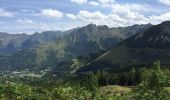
(71, 16)
(106, 1)
(91, 2)
(4, 13)
(113, 19)
(25, 21)
(120, 8)
(85, 15)
(159, 18)
(166, 2)
(30, 26)
(94, 3)
(92, 17)
(120, 15)
(79, 1)
(130, 13)
(53, 13)
(24, 10)
(119, 19)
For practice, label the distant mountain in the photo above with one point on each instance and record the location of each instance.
(132, 30)
(74, 43)
(11, 43)
(141, 49)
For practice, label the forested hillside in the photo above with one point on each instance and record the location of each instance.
(139, 50)
(143, 84)
(48, 49)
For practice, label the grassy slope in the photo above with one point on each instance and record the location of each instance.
(124, 92)
(127, 56)
(116, 90)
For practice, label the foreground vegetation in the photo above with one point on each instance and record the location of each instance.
(154, 85)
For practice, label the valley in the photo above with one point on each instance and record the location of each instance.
(84, 49)
(90, 63)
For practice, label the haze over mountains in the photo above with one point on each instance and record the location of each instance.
(11, 43)
(48, 48)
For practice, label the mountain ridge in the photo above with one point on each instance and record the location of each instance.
(79, 42)
(137, 50)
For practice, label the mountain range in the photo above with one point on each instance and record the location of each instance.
(11, 43)
(139, 50)
(47, 49)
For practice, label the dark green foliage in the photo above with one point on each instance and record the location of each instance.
(85, 86)
(154, 88)
(128, 78)
(54, 91)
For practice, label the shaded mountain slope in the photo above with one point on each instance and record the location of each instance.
(141, 49)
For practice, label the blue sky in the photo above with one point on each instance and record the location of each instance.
(29, 16)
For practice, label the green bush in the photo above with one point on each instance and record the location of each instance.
(154, 88)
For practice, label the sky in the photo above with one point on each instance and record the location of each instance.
(29, 16)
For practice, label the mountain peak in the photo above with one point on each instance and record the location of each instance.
(158, 36)
(104, 26)
(166, 23)
(91, 25)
